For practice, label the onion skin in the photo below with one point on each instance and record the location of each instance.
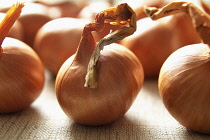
(184, 86)
(57, 40)
(119, 81)
(22, 76)
(98, 84)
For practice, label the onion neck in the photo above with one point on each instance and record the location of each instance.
(124, 15)
(87, 43)
(86, 46)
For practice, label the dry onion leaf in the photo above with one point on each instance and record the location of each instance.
(119, 15)
(200, 19)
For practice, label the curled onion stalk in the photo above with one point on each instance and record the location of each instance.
(184, 77)
(99, 83)
(22, 73)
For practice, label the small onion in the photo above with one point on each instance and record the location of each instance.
(57, 40)
(21, 70)
(184, 86)
(119, 78)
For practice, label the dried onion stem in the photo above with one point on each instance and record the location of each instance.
(120, 15)
(200, 19)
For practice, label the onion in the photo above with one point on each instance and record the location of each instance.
(184, 76)
(32, 18)
(21, 70)
(96, 87)
(154, 41)
(57, 40)
(66, 8)
(184, 86)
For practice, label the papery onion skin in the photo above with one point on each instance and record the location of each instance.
(184, 86)
(57, 40)
(22, 76)
(120, 78)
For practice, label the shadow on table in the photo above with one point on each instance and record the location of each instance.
(151, 85)
(21, 124)
(123, 129)
(131, 129)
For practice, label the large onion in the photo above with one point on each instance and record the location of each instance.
(111, 85)
(184, 77)
(21, 70)
(184, 86)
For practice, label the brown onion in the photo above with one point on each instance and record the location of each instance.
(154, 41)
(57, 40)
(99, 94)
(32, 18)
(184, 77)
(21, 70)
(184, 86)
